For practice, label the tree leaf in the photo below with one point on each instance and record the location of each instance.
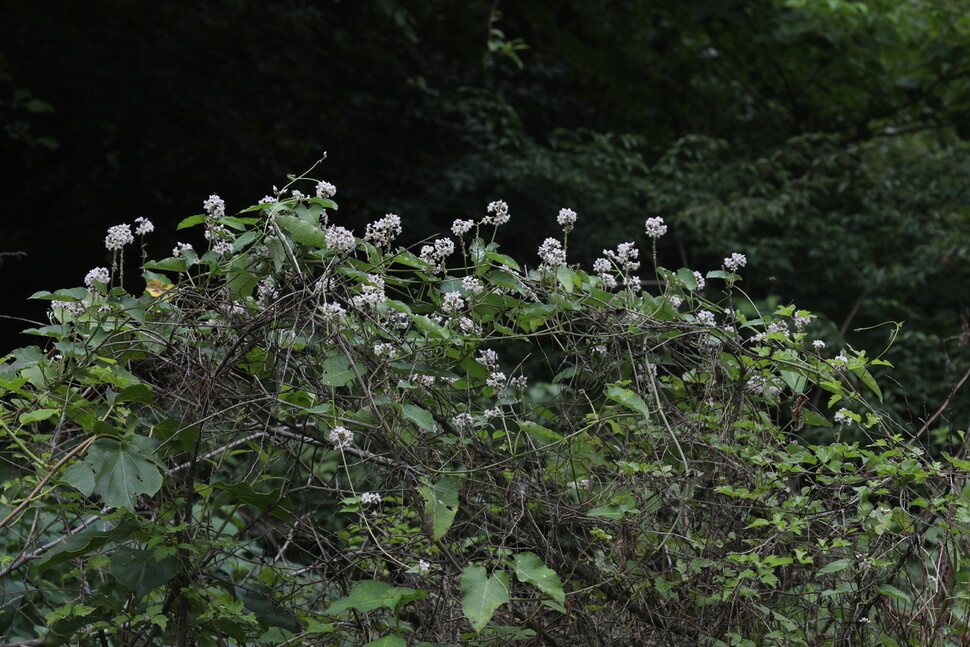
(421, 417)
(834, 567)
(440, 506)
(302, 231)
(529, 568)
(122, 470)
(481, 595)
(260, 600)
(140, 571)
(337, 371)
(387, 641)
(628, 398)
(368, 595)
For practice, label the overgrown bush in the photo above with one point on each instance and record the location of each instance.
(305, 437)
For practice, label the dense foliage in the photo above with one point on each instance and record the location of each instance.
(302, 436)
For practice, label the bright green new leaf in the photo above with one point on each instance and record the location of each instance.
(440, 506)
(481, 595)
(302, 231)
(37, 415)
(387, 641)
(368, 595)
(628, 398)
(529, 568)
(834, 567)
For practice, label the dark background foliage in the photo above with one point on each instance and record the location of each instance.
(827, 143)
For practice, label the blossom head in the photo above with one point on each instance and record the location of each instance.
(118, 236)
(97, 275)
(325, 190)
(735, 261)
(143, 226)
(566, 219)
(498, 213)
(214, 206)
(655, 227)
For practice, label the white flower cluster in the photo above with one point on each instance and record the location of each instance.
(99, 275)
(368, 498)
(436, 253)
(331, 311)
(468, 326)
(699, 279)
(325, 190)
(143, 226)
(267, 199)
(73, 308)
(488, 414)
(566, 219)
(488, 358)
(624, 258)
(341, 437)
(180, 249)
(675, 301)
(603, 269)
(452, 303)
(266, 292)
(383, 231)
(215, 206)
(818, 344)
(118, 236)
(802, 321)
(552, 253)
(220, 239)
(424, 566)
(759, 386)
(777, 327)
(841, 418)
(498, 213)
(462, 421)
(472, 285)
(705, 317)
(461, 227)
(655, 227)
(496, 380)
(735, 261)
(340, 238)
(385, 350)
(372, 293)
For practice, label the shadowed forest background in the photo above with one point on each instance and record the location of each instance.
(827, 141)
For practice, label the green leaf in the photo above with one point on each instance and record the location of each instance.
(542, 436)
(687, 278)
(191, 221)
(260, 600)
(893, 592)
(368, 595)
(481, 595)
(302, 231)
(81, 544)
(566, 278)
(502, 259)
(337, 371)
(431, 328)
(140, 571)
(37, 415)
(869, 381)
(529, 568)
(268, 502)
(136, 393)
(628, 398)
(421, 417)
(387, 641)
(122, 470)
(834, 567)
(440, 506)
(80, 476)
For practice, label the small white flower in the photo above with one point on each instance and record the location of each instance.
(675, 301)
(214, 206)
(144, 226)
(818, 344)
(385, 350)
(453, 302)
(841, 418)
(599, 350)
(801, 322)
(461, 227)
(427, 381)
(468, 325)
(443, 248)
(383, 231)
(488, 358)
(706, 317)
(735, 261)
(341, 437)
(655, 227)
(700, 280)
(325, 190)
(332, 311)
(99, 275)
(424, 566)
(520, 382)
(841, 360)
(180, 249)
(488, 414)
(624, 257)
(371, 294)
(340, 238)
(267, 199)
(496, 379)
(462, 421)
(266, 292)
(368, 498)
(118, 236)
(498, 213)
(472, 284)
(566, 219)
(602, 266)
(552, 253)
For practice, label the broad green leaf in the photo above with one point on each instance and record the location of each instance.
(260, 600)
(440, 506)
(122, 470)
(431, 328)
(136, 393)
(502, 259)
(191, 221)
(81, 544)
(80, 476)
(869, 381)
(139, 571)
(893, 592)
(542, 436)
(368, 595)
(481, 595)
(337, 371)
(302, 231)
(628, 398)
(387, 641)
(421, 417)
(268, 502)
(529, 568)
(37, 415)
(687, 278)
(566, 278)
(834, 567)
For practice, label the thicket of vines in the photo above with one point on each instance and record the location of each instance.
(300, 436)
